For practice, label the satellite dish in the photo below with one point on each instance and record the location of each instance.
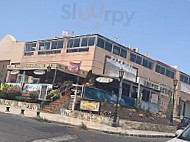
(39, 72)
(104, 79)
(15, 72)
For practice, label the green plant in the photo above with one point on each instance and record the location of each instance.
(54, 94)
(20, 98)
(12, 92)
(34, 95)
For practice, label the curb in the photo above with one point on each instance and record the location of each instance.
(108, 132)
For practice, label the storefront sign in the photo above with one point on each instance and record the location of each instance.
(74, 67)
(153, 85)
(90, 105)
(104, 79)
(113, 65)
(185, 88)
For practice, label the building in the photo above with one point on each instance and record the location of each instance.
(148, 81)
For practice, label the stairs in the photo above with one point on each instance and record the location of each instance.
(58, 103)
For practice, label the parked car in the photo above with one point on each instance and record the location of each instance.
(184, 123)
(182, 135)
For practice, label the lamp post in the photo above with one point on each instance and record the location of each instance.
(175, 81)
(121, 74)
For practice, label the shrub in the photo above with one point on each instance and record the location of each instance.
(12, 92)
(55, 94)
(5, 87)
(34, 95)
(20, 98)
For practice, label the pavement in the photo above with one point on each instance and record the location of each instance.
(77, 122)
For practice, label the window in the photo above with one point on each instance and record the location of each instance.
(139, 60)
(30, 47)
(172, 74)
(150, 65)
(91, 41)
(145, 63)
(60, 44)
(157, 68)
(123, 53)
(100, 43)
(108, 46)
(116, 50)
(168, 73)
(70, 43)
(54, 45)
(162, 70)
(84, 42)
(76, 42)
(44, 45)
(132, 57)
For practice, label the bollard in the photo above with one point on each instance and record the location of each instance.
(22, 111)
(38, 114)
(8, 109)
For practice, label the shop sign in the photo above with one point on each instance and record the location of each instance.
(113, 65)
(90, 105)
(74, 67)
(185, 88)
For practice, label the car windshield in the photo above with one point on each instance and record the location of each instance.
(185, 135)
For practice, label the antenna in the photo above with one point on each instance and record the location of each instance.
(116, 39)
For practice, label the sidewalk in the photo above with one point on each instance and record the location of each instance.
(90, 125)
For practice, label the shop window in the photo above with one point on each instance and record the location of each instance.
(145, 95)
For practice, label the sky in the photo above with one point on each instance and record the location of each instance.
(160, 28)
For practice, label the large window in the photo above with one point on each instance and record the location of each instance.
(116, 50)
(80, 44)
(100, 42)
(29, 49)
(112, 47)
(165, 71)
(184, 78)
(50, 47)
(141, 60)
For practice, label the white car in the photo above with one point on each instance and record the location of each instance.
(182, 135)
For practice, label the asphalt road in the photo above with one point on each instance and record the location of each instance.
(20, 129)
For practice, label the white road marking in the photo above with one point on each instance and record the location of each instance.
(57, 139)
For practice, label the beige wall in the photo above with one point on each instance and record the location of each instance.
(11, 49)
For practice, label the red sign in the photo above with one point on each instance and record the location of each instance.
(74, 67)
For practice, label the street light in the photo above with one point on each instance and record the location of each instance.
(121, 74)
(175, 81)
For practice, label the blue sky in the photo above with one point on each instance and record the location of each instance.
(158, 27)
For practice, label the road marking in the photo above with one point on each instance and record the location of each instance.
(57, 139)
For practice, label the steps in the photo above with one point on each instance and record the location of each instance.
(58, 103)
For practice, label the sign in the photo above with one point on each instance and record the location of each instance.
(74, 67)
(113, 65)
(164, 90)
(90, 105)
(104, 79)
(43, 92)
(39, 72)
(185, 88)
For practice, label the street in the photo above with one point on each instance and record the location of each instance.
(19, 129)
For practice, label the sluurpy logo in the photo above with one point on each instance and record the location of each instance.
(97, 13)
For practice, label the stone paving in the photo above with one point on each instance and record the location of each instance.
(76, 122)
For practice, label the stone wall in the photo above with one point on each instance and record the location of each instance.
(32, 106)
(122, 123)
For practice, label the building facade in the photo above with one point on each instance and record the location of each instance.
(149, 81)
